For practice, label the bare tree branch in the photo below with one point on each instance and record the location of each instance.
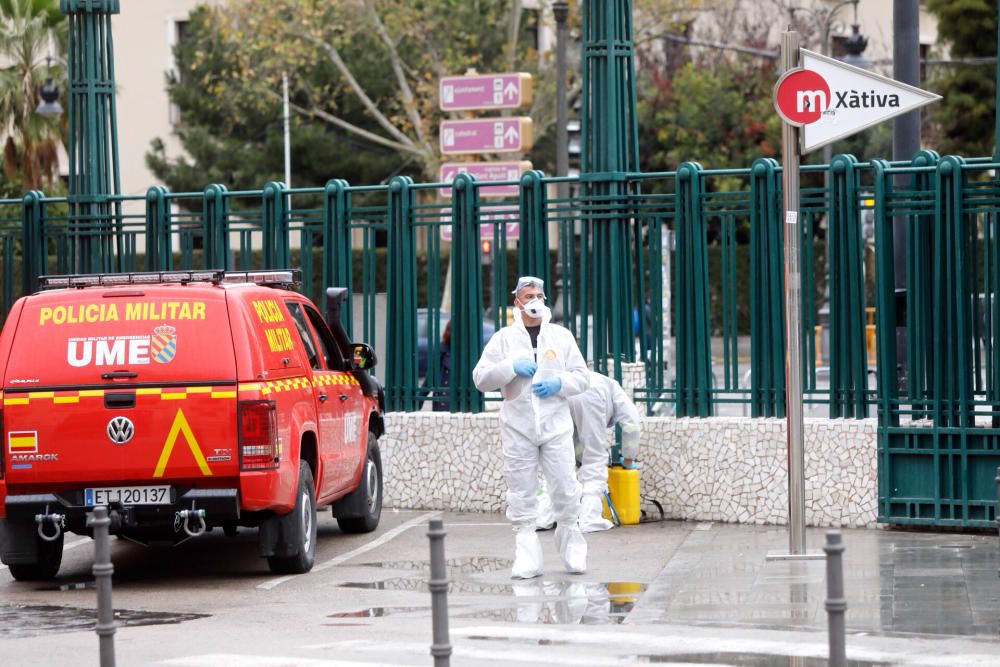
(317, 112)
(409, 105)
(366, 101)
(513, 28)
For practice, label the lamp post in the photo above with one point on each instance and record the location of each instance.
(49, 94)
(560, 8)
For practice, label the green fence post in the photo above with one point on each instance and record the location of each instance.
(33, 257)
(767, 279)
(848, 361)
(919, 302)
(337, 256)
(215, 213)
(694, 351)
(533, 244)
(275, 225)
(401, 285)
(158, 255)
(466, 297)
(952, 323)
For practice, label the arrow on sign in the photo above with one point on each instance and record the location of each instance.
(831, 100)
(511, 136)
(510, 91)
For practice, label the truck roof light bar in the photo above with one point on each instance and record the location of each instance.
(285, 278)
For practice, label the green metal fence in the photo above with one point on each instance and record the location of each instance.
(939, 408)
(709, 238)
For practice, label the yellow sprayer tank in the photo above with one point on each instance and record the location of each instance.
(623, 487)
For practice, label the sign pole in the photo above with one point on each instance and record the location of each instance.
(793, 321)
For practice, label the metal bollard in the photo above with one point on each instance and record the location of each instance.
(103, 569)
(438, 585)
(836, 604)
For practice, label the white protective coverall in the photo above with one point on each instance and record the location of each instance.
(595, 411)
(537, 432)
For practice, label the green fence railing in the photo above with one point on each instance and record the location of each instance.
(694, 270)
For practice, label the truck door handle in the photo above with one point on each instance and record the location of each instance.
(322, 398)
(118, 374)
(343, 397)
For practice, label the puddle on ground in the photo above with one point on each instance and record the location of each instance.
(378, 612)
(534, 601)
(749, 660)
(18, 620)
(473, 565)
(403, 584)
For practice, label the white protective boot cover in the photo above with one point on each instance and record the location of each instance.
(573, 548)
(546, 518)
(591, 520)
(527, 555)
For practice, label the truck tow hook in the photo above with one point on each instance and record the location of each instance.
(58, 522)
(183, 518)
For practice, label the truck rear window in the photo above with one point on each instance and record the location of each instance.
(72, 338)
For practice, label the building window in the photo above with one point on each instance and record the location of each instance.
(176, 34)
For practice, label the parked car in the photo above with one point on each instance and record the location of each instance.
(443, 318)
(183, 401)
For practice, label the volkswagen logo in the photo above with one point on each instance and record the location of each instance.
(120, 430)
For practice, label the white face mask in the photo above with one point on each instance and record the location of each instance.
(536, 308)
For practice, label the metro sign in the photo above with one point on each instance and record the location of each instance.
(486, 171)
(488, 91)
(486, 135)
(831, 100)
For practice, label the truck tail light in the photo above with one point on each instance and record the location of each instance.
(258, 435)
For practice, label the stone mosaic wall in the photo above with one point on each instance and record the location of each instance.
(718, 469)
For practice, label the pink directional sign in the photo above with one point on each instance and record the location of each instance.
(486, 171)
(487, 91)
(487, 135)
(512, 226)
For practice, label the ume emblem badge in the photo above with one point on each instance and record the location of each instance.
(120, 430)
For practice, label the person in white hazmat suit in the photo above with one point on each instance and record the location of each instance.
(595, 411)
(537, 366)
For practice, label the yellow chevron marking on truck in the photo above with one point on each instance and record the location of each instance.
(165, 394)
(181, 426)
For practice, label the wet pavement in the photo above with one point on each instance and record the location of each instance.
(659, 593)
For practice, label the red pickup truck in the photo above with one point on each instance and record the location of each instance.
(183, 401)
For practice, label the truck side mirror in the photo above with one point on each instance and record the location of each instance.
(335, 297)
(364, 357)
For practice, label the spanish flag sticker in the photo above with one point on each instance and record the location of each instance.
(22, 442)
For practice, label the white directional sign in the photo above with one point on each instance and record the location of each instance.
(831, 100)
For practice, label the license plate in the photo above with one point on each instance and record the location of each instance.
(127, 495)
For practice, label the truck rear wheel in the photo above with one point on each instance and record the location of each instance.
(298, 529)
(361, 510)
(47, 564)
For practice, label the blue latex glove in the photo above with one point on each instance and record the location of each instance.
(630, 466)
(525, 367)
(545, 388)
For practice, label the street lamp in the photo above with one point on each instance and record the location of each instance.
(825, 18)
(560, 10)
(49, 92)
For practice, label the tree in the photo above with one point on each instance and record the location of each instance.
(721, 117)
(963, 121)
(31, 148)
(363, 79)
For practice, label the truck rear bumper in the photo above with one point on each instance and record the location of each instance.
(219, 505)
